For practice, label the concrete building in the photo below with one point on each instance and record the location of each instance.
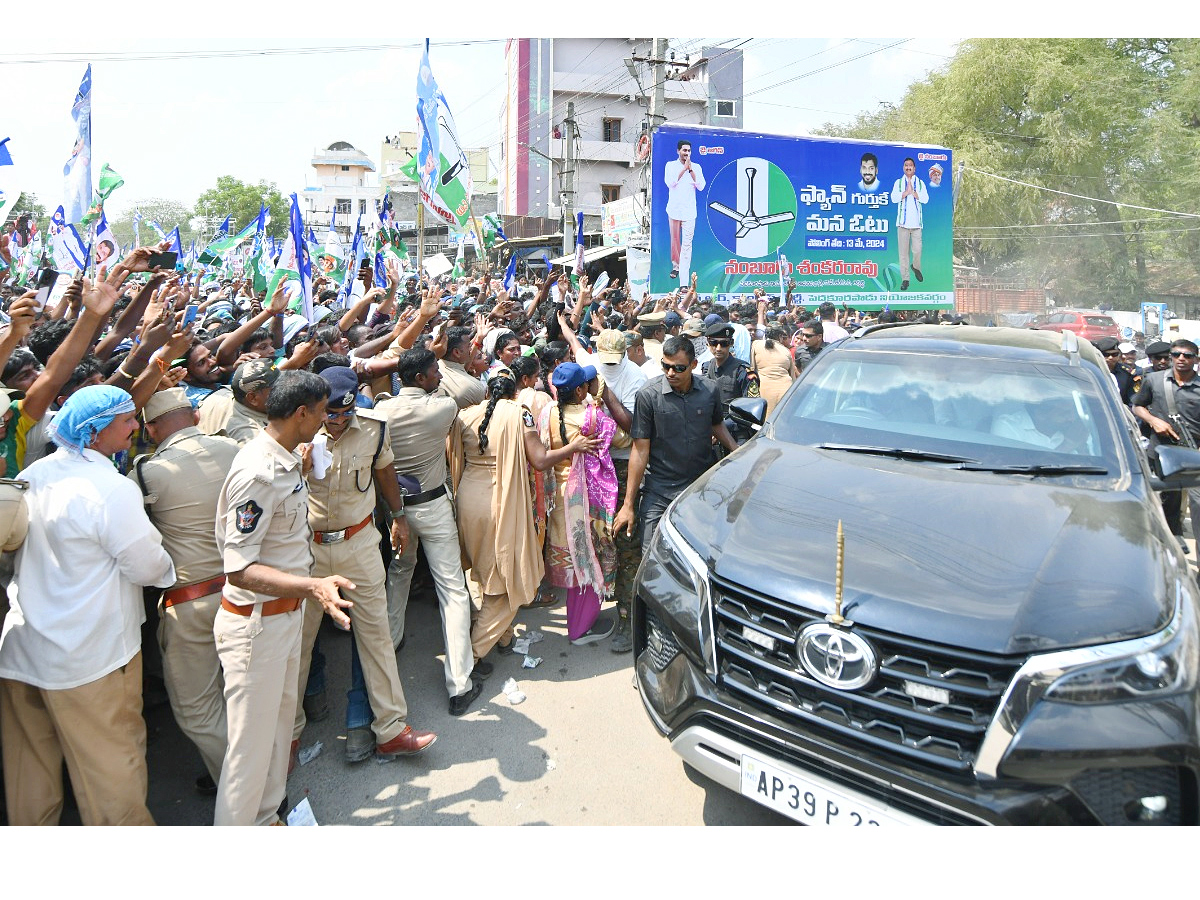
(611, 106)
(345, 185)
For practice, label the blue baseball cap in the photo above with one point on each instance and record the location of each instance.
(569, 376)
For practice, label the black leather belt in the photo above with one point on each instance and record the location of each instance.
(425, 496)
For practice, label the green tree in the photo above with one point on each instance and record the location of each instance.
(1105, 119)
(232, 197)
(167, 213)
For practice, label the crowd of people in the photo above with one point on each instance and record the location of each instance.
(192, 451)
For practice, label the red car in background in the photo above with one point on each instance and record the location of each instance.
(1090, 326)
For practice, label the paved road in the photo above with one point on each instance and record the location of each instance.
(578, 751)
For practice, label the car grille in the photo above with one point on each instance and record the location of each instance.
(883, 714)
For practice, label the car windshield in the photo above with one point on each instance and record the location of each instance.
(1099, 321)
(985, 413)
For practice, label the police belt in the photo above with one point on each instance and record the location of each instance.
(425, 496)
(336, 537)
(269, 607)
(190, 592)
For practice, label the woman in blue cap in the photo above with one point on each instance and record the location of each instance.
(581, 560)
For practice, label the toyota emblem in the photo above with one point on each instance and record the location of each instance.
(836, 657)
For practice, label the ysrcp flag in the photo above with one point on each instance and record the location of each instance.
(579, 243)
(10, 192)
(66, 247)
(295, 264)
(78, 170)
(106, 244)
(223, 243)
(444, 175)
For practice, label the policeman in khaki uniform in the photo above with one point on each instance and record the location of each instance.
(181, 483)
(241, 414)
(341, 507)
(266, 549)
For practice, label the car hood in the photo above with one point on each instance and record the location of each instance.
(995, 563)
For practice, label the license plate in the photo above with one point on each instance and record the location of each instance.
(813, 800)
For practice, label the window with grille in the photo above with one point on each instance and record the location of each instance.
(342, 207)
(612, 130)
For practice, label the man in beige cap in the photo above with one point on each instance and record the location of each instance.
(181, 484)
(242, 414)
(653, 328)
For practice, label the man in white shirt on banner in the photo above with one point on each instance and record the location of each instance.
(683, 178)
(910, 194)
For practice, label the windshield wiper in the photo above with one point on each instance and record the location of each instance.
(1041, 469)
(899, 453)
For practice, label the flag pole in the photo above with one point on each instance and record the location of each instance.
(420, 232)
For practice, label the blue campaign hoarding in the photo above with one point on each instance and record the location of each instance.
(863, 223)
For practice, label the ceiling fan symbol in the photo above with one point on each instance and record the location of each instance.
(749, 220)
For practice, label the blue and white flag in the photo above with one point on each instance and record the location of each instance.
(444, 175)
(579, 243)
(295, 264)
(107, 249)
(66, 247)
(137, 232)
(224, 226)
(158, 229)
(78, 170)
(510, 276)
(357, 247)
(176, 246)
(782, 277)
(10, 191)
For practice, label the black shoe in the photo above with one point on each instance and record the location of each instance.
(674, 273)
(461, 703)
(904, 285)
(316, 707)
(282, 811)
(205, 786)
(917, 272)
(482, 670)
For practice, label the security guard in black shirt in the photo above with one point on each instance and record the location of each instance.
(731, 375)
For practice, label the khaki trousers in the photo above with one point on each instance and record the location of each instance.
(434, 526)
(495, 619)
(260, 659)
(192, 674)
(358, 559)
(97, 728)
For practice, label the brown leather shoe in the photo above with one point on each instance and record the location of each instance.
(407, 742)
(294, 756)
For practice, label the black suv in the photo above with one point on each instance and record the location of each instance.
(937, 587)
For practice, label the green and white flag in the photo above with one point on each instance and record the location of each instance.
(222, 245)
(460, 261)
(109, 182)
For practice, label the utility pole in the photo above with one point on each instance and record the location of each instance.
(568, 182)
(658, 100)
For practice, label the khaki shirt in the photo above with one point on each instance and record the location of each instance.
(221, 414)
(418, 424)
(262, 515)
(182, 483)
(654, 350)
(458, 383)
(346, 495)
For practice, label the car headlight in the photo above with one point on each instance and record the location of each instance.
(688, 567)
(1166, 665)
(1159, 665)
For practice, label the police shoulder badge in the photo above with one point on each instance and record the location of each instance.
(248, 515)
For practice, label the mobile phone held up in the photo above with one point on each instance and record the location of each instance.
(189, 315)
(47, 278)
(165, 259)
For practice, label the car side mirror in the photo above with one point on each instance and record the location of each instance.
(1180, 467)
(749, 412)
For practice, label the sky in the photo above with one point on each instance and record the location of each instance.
(172, 113)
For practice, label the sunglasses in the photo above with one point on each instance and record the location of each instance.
(1159, 357)
(675, 367)
(1182, 353)
(806, 335)
(720, 342)
(1108, 353)
(334, 414)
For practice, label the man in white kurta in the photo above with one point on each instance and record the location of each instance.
(683, 178)
(70, 651)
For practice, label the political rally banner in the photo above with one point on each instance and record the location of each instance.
(443, 175)
(736, 207)
(77, 173)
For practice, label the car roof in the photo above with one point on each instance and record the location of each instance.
(976, 340)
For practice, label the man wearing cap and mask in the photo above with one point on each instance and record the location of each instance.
(241, 414)
(70, 651)
(341, 506)
(181, 484)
